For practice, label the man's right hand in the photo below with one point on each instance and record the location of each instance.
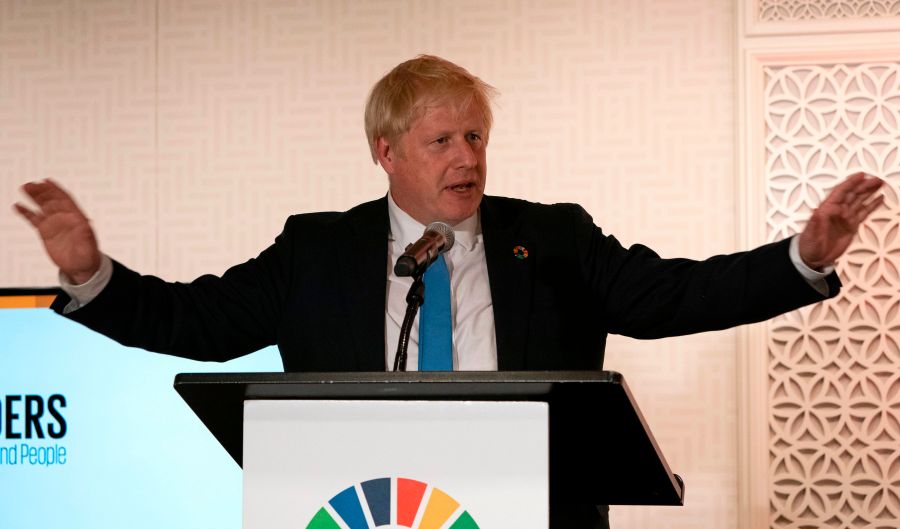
(65, 231)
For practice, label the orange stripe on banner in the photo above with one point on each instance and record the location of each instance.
(25, 302)
(439, 509)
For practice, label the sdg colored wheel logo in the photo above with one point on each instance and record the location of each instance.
(392, 503)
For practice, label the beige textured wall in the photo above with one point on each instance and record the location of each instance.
(190, 129)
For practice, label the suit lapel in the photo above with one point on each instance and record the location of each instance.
(511, 282)
(364, 282)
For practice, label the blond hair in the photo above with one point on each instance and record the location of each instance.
(402, 96)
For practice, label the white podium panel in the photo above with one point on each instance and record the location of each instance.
(421, 465)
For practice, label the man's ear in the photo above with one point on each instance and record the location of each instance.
(385, 153)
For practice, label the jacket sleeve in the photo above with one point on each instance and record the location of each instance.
(644, 296)
(211, 318)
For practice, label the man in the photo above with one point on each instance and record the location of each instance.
(531, 287)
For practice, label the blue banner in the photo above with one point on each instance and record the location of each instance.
(92, 434)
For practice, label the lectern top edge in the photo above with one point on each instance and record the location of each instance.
(602, 450)
(456, 377)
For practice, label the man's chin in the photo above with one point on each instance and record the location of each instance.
(458, 213)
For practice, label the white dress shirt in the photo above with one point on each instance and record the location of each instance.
(474, 339)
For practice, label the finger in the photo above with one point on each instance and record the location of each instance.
(33, 218)
(865, 210)
(863, 192)
(44, 197)
(839, 194)
(33, 188)
(858, 201)
(57, 187)
(869, 186)
(41, 192)
(58, 193)
(857, 187)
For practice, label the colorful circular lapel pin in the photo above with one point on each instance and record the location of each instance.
(520, 252)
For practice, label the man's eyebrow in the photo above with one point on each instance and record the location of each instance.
(438, 133)
(450, 132)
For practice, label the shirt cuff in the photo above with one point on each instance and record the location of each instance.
(815, 278)
(83, 294)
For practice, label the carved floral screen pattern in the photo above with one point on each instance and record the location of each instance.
(792, 10)
(834, 368)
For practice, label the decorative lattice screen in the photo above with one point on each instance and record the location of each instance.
(792, 10)
(834, 368)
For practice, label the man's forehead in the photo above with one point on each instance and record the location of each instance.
(438, 116)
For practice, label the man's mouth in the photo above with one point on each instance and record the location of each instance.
(465, 186)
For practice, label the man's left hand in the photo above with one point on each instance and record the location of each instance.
(832, 226)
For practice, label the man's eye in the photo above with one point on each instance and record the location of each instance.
(473, 136)
(441, 141)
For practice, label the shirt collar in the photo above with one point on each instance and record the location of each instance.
(408, 230)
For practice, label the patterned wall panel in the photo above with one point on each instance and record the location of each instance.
(791, 10)
(834, 387)
(260, 112)
(77, 104)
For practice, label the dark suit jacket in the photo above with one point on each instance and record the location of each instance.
(319, 293)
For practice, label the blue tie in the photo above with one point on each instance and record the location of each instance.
(435, 327)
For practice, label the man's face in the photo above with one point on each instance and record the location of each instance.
(439, 171)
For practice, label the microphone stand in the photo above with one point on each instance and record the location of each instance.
(414, 299)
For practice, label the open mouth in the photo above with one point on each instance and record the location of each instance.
(462, 187)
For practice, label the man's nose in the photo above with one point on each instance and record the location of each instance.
(465, 155)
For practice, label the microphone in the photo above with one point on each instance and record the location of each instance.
(438, 238)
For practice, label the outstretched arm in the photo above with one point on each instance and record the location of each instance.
(644, 296)
(210, 319)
